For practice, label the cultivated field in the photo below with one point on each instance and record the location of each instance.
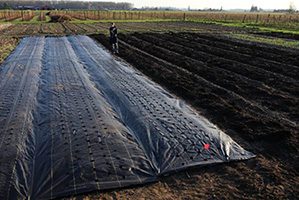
(266, 18)
(241, 73)
(279, 21)
(248, 89)
(102, 27)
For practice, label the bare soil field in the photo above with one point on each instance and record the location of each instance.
(69, 28)
(250, 90)
(87, 28)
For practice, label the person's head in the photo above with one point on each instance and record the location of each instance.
(112, 24)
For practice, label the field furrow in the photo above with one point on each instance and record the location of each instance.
(229, 80)
(210, 91)
(254, 58)
(245, 68)
(258, 50)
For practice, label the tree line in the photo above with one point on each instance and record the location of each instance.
(62, 5)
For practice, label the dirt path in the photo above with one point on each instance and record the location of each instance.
(4, 26)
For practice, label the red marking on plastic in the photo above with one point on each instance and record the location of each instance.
(206, 146)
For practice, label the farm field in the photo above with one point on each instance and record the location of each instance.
(269, 22)
(101, 27)
(254, 100)
(116, 128)
(282, 38)
(241, 76)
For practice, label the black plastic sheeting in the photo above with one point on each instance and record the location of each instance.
(74, 119)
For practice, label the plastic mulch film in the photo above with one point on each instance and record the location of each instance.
(73, 119)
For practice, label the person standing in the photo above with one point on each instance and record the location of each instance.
(113, 38)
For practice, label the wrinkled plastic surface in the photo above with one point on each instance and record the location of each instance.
(74, 119)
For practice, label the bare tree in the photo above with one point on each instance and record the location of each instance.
(292, 7)
(254, 8)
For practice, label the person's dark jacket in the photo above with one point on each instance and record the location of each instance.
(113, 34)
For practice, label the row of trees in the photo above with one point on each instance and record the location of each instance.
(74, 5)
(292, 8)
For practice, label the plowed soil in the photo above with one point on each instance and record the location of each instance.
(249, 90)
(78, 28)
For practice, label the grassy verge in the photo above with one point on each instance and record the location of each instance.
(7, 45)
(267, 40)
(288, 28)
(279, 30)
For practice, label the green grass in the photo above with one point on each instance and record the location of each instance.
(264, 27)
(269, 29)
(274, 41)
(289, 28)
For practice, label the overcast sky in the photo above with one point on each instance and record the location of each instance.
(227, 4)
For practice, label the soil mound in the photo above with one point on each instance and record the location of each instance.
(59, 18)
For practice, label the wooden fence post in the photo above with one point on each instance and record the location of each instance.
(244, 18)
(268, 19)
